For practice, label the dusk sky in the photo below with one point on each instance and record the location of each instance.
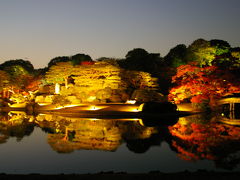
(39, 30)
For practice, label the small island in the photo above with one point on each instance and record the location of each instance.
(188, 79)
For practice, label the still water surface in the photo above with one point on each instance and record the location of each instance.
(50, 144)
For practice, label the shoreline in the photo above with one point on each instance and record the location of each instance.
(123, 175)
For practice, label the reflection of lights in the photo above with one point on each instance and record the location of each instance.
(141, 122)
(130, 101)
(138, 120)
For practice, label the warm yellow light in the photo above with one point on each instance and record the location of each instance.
(57, 88)
(130, 101)
(135, 110)
(141, 122)
(18, 105)
(42, 104)
(61, 107)
(94, 119)
(94, 108)
(72, 105)
(140, 108)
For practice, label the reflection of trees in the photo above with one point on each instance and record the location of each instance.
(15, 125)
(91, 134)
(86, 134)
(213, 141)
(139, 138)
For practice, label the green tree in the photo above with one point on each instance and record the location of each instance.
(202, 52)
(221, 46)
(26, 65)
(176, 56)
(18, 76)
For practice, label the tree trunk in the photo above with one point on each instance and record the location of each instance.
(66, 82)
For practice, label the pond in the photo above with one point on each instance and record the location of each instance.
(50, 144)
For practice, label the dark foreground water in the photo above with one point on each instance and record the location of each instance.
(50, 144)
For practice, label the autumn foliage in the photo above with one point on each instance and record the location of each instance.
(202, 84)
(195, 141)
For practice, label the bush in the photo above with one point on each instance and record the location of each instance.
(60, 100)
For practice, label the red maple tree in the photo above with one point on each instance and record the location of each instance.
(201, 84)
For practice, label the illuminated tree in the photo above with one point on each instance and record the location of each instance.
(18, 77)
(97, 76)
(202, 84)
(202, 52)
(4, 83)
(26, 65)
(33, 83)
(235, 58)
(222, 47)
(139, 80)
(59, 73)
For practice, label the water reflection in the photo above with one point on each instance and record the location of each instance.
(15, 125)
(68, 134)
(198, 138)
(192, 138)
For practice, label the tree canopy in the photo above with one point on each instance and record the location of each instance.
(201, 84)
(26, 65)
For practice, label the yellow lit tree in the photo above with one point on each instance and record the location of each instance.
(139, 80)
(4, 83)
(59, 73)
(97, 76)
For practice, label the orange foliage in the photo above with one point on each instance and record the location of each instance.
(201, 84)
(87, 63)
(200, 141)
(33, 83)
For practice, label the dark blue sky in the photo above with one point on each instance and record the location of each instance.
(39, 30)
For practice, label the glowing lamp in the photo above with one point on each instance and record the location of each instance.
(130, 101)
(57, 88)
(94, 108)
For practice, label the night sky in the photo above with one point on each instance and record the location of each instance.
(39, 30)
